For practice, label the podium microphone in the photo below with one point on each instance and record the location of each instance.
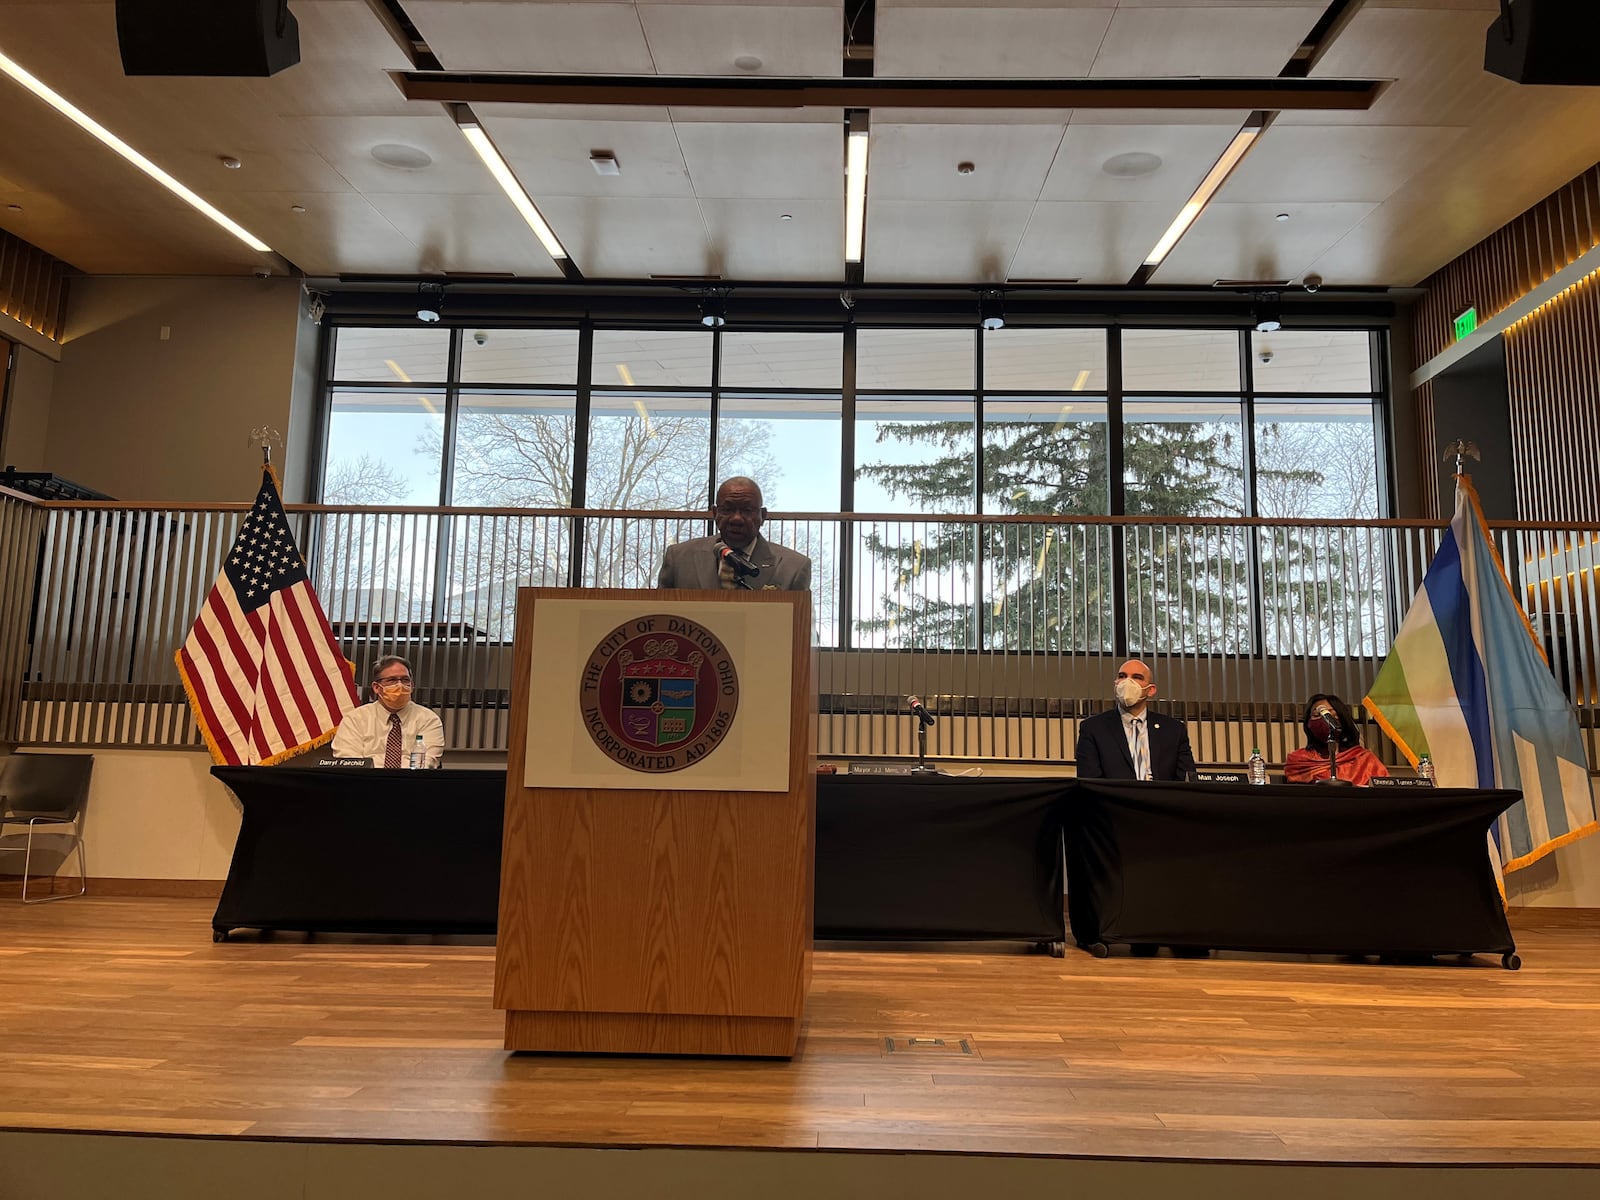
(919, 712)
(736, 559)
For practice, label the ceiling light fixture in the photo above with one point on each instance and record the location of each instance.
(1268, 312)
(992, 309)
(714, 309)
(92, 127)
(604, 162)
(1236, 149)
(430, 302)
(480, 141)
(855, 184)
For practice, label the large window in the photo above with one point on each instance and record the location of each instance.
(988, 460)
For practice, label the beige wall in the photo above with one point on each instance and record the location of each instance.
(142, 418)
(28, 411)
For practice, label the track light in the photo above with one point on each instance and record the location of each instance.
(714, 309)
(855, 184)
(483, 145)
(1268, 312)
(992, 310)
(1235, 150)
(430, 302)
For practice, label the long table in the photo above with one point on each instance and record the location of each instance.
(1295, 868)
(375, 851)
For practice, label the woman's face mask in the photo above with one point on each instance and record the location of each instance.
(1319, 727)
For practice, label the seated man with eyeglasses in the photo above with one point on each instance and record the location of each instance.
(386, 730)
(738, 557)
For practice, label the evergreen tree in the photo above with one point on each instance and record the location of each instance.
(1051, 587)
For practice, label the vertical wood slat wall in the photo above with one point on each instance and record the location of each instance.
(1552, 357)
(33, 288)
(1553, 381)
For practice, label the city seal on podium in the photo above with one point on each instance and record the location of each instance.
(659, 693)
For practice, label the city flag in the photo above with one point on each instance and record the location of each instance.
(1467, 683)
(264, 675)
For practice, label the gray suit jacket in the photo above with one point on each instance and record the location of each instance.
(693, 564)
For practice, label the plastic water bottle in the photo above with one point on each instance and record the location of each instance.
(1258, 767)
(1425, 770)
(419, 756)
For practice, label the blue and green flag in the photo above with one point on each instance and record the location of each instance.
(1467, 683)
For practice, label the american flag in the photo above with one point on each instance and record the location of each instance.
(264, 675)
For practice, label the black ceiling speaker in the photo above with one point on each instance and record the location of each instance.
(207, 37)
(1545, 41)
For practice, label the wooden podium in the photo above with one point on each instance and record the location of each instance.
(656, 874)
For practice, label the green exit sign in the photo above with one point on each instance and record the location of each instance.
(1466, 323)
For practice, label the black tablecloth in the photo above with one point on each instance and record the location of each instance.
(364, 851)
(359, 850)
(1305, 869)
(939, 857)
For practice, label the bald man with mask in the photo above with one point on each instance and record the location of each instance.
(1131, 741)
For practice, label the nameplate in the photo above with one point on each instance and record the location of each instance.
(344, 762)
(1222, 776)
(871, 768)
(1397, 781)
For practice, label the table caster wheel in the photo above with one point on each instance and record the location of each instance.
(1058, 949)
(1099, 949)
(219, 935)
(1511, 962)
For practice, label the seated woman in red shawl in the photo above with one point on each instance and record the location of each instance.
(1327, 718)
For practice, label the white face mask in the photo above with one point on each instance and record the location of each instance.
(1128, 692)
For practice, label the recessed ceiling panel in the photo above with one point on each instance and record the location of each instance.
(422, 153)
(551, 157)
(735, 160)
(701, 39)
(1335, 162)
(978, 41)
(564, 39)
(1135, 162)
(925, 162)
(1247, 241)
(631, 237)
(466, 233)
(919, 241)
(1203, 41)
(1095, 242)
(751, 240)
(339, 232)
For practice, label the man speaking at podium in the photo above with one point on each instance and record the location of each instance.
(738, 557)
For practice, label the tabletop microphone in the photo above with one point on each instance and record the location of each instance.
(919, 712)
(737, 560)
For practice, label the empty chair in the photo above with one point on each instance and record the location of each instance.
(41, 801)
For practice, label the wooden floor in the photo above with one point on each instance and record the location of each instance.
(120, 1014)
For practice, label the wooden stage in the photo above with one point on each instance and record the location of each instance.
(120, 1015)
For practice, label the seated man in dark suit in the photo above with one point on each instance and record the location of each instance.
(755, 563)
(1130, 741)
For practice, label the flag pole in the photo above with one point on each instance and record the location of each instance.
(1461, 450)
(266, 435)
